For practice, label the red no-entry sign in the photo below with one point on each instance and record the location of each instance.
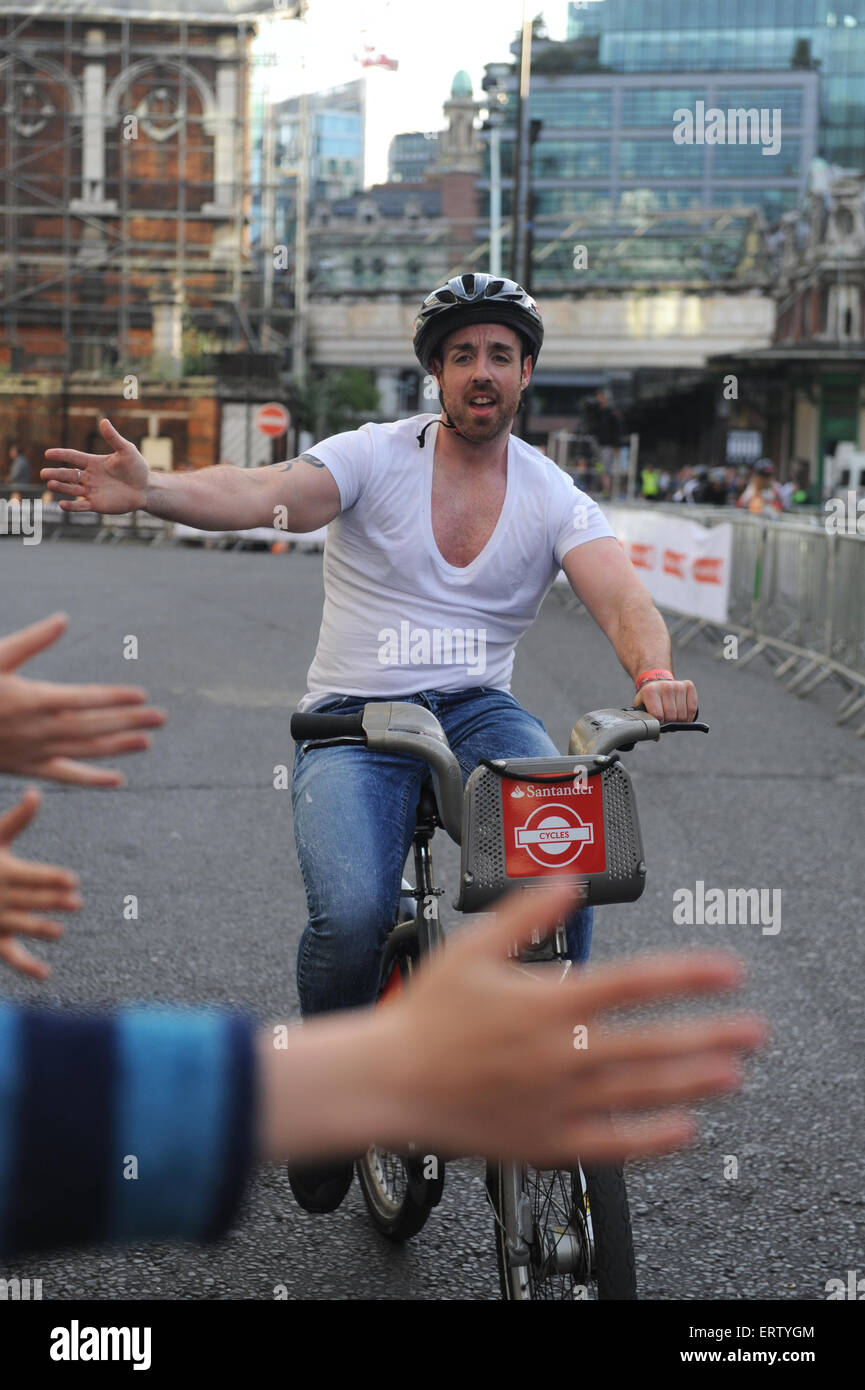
(272, 419)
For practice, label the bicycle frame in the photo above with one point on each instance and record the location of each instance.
(544, 1228)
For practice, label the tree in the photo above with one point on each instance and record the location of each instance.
(335, 401)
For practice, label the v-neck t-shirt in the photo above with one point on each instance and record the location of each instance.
(398, 618)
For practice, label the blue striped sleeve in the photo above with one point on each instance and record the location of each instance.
(182, 1143)
(126, 1126)
(10, 1084)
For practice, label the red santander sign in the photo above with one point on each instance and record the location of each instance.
(553, 828)
(273, 420)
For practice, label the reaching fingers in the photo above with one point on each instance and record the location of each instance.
(112, 436)
(74, 457)
(20, 873)
(600, 1140)
(14, 821)
(81, 505)
(51, 695)
(516, 916)
(673, 1040)
(37, 898)
(649, 1085)
(20, 646)
(75, 773)
(70, 487)
(108, 747)
(81, 725)
(15, 955)
(647, 978)
(28, 925)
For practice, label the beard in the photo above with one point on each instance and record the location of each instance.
(480, 430)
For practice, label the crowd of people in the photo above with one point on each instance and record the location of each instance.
(753, 489)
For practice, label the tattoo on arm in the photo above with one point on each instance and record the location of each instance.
(306, 458)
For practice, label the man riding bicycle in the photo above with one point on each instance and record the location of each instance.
(445, 534)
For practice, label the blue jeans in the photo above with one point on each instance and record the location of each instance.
(354, 815)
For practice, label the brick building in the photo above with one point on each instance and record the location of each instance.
(123, 235)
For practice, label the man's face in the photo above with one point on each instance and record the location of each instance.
(481, 379)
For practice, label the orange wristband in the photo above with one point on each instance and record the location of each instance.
(652, 676)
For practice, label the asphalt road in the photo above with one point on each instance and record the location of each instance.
(772, 799)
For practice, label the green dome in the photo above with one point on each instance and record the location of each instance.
(462, 84)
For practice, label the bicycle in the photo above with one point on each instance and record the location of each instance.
(560, 1234)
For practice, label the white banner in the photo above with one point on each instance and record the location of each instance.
(684, 566)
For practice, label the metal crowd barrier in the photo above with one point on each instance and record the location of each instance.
(797, 598)
(56, 524)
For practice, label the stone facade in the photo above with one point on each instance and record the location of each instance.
(132, 135)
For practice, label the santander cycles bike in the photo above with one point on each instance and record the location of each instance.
(560, 1234)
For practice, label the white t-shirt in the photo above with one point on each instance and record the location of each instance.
(397, 617)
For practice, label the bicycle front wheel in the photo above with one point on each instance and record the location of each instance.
(399, 1190)
(562, 1235)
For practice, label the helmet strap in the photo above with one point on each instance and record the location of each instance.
(447, 421)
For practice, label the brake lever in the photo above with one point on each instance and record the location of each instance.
(674, 726)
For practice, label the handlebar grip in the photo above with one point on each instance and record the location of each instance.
(312, 725)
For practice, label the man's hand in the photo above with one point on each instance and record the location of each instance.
(45, 725)
(109, 483)
(488, 1056)
(480, 1055)
(669, 700)
(28, 890)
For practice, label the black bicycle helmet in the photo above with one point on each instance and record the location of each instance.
(475, 298)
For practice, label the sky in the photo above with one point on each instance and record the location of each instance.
(431, 41)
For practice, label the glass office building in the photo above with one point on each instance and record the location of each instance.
(411, 155)
(606, 166)
(726, 36)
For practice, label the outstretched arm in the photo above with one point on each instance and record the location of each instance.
(476, 1057)
(298, 495)
(603, 578)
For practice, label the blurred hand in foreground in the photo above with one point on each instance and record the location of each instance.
(46, 726)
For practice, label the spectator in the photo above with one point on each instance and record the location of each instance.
(700, 493)
(651, 484)
(687, 481)
(761, 494)
(603, 423)
(19, 468)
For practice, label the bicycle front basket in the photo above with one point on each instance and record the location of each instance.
(528, 819)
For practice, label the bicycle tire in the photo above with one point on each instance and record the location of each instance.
(562, 1235)
(398, 1195)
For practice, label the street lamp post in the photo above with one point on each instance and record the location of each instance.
(495, 193)
(524, 154)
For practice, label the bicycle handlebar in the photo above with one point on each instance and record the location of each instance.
(313, 726)
(396, 726)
